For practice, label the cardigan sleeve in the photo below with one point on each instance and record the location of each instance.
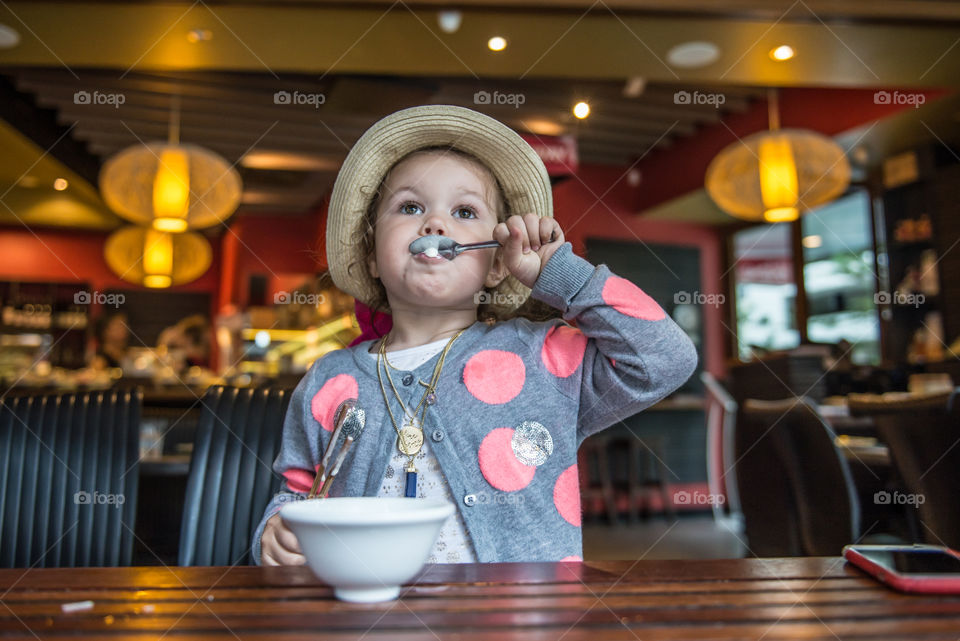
(633, 353)
(299, 448)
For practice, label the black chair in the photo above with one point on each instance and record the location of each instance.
(721, 417)
(68, 479)
(922, 435)
(231, 478)
(796, 490)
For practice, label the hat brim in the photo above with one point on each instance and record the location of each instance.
(517, 167)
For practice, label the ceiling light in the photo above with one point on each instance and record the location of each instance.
(497, 43)
(783, 52)
(60, 184)
(813, 241)
(291, 161)
(581, 110)
(690, 55)
(542, 127)
(199, 35)
(449, 21)
(634, 87)
(8, 37)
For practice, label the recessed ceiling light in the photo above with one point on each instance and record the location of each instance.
(581, 110)
(690, 55)
(783, 52)
(449, 21)
(497, 43)
(8, 37)
(60, 184)
(199, 35)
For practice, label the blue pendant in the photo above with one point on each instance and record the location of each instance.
(411, 489)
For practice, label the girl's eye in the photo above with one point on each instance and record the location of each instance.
(465, 212)
(411, 209)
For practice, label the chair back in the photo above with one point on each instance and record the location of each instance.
(721, 417)
(231, 477)
(800, 484)
(922, 435)
(68, 478)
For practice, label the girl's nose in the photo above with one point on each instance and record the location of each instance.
(433, 225)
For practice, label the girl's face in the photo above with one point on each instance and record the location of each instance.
(444, 194)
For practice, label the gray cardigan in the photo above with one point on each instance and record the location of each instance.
(514, 402)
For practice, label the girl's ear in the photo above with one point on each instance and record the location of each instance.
(498, 271)
(372, 265)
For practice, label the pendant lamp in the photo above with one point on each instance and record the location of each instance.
(170, 186)
(157, 259)
(779, 174)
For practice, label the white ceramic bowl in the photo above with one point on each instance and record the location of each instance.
(366, 547)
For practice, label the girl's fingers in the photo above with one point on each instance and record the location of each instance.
(532, 224)
(548, 231)
(288, 540)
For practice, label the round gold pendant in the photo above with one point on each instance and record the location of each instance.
(410, 440)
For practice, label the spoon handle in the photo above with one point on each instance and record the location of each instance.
(487, 244)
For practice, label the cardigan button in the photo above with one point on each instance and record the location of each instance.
(437, 435)
(408, 379)
(470, 500)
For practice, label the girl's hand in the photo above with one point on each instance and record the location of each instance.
(279, 545)
(527, 245)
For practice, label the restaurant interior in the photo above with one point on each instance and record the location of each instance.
(781, 177)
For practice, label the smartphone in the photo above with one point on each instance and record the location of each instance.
(909, 568)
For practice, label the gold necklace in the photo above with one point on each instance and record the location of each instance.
(410, 437)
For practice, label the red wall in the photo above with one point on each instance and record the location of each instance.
(65, 256)
(582, 214)
(271, 246)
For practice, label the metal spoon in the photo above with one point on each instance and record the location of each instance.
(434, 245)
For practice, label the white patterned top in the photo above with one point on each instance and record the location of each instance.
(453, 545)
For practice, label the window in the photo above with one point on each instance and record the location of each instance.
(839, 277)
(766, 290)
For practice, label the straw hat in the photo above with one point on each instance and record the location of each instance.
(515, 164)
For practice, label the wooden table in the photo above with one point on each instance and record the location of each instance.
(810, 598)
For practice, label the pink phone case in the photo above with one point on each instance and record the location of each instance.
(928, 583)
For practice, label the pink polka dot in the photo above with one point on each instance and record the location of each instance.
(563, 350)
(571, 559)
(326, 401)
(494, 376)
(627, 298)
(499, 465)
(300, 480)
(566, 495)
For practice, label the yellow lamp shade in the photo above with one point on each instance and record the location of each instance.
(774, 176)
(170, 187)
(154, 258)
(171, 190)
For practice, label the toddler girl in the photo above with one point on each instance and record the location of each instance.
(464, 399)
